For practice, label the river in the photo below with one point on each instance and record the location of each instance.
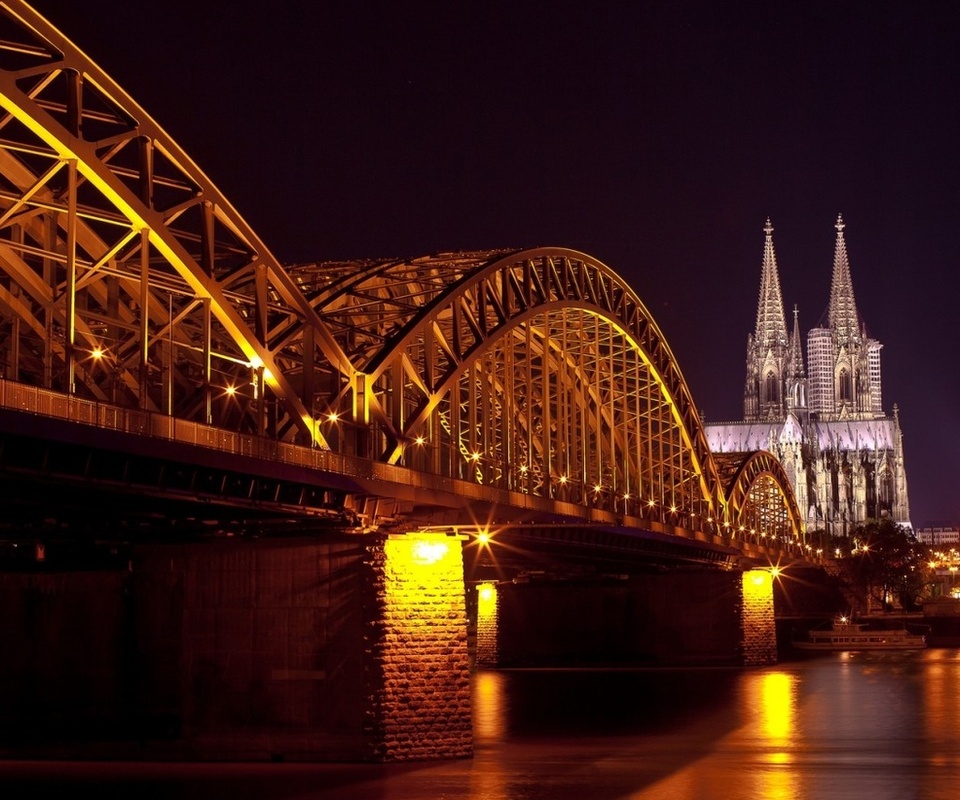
(882, 726)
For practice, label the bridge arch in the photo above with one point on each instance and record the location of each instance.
(536, 370)
(136, 280)
(127, 277)
(760, 500)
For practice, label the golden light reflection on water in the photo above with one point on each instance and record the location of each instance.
(770, 710)
(778, 700)
(489, 775)
(488, 711)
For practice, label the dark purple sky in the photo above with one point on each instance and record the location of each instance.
(655, 136)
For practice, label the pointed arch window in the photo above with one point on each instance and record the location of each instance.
(846, 386)
(771, 391)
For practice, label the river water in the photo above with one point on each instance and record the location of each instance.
(884, 726)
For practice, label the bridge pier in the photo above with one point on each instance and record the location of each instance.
(336, 649)
(416, 660)
(682, 617)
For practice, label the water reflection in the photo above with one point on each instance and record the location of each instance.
(489, 707)
(881, 726)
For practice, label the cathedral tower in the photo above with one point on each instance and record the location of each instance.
(844, 362)
(825, 424)
(768, 348)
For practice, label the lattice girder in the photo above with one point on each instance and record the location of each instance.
(415, 328)
(760, 497)
(126, 277)
(146, 284)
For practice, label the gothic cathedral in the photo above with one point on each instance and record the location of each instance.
(825, 423)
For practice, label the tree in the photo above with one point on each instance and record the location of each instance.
(887, 564)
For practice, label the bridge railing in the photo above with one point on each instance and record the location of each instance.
(49, 403)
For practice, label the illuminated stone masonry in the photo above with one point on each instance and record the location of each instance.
(487, 604)
(416, 664)
(757, 620)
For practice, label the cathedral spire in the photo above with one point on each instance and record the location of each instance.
(771, 330)
(796, 349)
(843, 318)
(767, 347)
(795, 377)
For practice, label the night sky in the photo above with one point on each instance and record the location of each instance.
(655, 136)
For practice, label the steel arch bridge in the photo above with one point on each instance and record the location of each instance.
(127, 278)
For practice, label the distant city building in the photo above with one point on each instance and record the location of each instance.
(826, 423)
(939, 535)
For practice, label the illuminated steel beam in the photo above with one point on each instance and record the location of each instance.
(538, 370)
(126, 277)
(74, 249)
(761, 497)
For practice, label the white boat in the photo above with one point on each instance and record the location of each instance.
(847, 635)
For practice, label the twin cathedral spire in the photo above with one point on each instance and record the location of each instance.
(820, 416)
(841, 379)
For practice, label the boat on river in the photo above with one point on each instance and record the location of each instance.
(846, 635)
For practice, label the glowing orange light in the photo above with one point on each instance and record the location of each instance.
(231, 389)
(420, 439)
(777, 704)
(673, 509)
(333, 416)
(97, 353)
(597, 488)
(563, 479)
(429, 552)
(474, 457)
(523, 469)
(483, 538)
(775, 572)
(650, 503)
(485, 592)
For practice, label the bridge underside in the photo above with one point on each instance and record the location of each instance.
(82, 491)
(571, 550)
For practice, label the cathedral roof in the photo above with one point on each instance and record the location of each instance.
(739, 437)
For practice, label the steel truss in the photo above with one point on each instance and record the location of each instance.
(126, 277)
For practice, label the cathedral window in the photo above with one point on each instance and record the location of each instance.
(771, 390)
(846, 386)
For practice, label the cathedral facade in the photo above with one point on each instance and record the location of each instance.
(823, 420)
